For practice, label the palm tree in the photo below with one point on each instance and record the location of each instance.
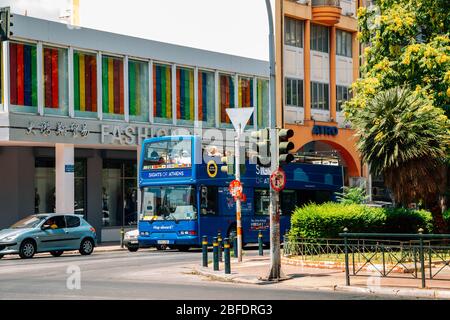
(405, 139)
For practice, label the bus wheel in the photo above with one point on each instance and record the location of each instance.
(161, 247)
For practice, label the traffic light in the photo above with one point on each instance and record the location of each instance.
(5, 23)
(285, 146)
(227, 165)
(262, 156)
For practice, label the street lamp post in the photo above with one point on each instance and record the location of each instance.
(275, 256)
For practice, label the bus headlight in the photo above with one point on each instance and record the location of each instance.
(188, 233)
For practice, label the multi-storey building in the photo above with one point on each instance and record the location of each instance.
(77, 103)
(317, 55)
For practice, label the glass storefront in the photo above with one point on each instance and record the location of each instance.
(119, 193)
(44, 186)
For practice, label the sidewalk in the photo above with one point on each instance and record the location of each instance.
(253, 269)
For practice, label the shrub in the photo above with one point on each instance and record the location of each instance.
(352, 195)
(329, 219)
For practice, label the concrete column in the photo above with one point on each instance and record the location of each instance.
(94, 192)
(307, 64)
(333, 74)
(64, 172)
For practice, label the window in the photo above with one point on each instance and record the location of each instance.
(56, 96)
(72, 221)
(44, 182)
(209, 200)
(185, 95)
(319, 96)
(162, 93)
(294, 92)
(119, 192)
(23, 76)
(342, 94)
(57, 222)
(138, 98)
(85, 84)
(245, 94)
(262, 91)
(169, 203)
(262, 200)
(319, 38)
(226, 96)
(168, 154)
(293, 32)
(206, 96)
(288, 201)
(343, 43)
(112, 88)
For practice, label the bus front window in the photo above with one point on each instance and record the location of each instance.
(169, 203)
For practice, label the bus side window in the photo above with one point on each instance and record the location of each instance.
(288, 201)
(209, 200)
(262, 200)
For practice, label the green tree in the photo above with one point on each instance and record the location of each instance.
(407, 43)
(405, 139)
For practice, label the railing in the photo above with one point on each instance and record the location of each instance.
(326, 3)
(387, 255)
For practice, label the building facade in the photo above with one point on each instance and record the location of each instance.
(317, 56)
(77, 103)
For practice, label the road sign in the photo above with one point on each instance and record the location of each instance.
(235, 188)
(278, 180)
(239, 117)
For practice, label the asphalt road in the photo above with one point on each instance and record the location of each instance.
(147, 274)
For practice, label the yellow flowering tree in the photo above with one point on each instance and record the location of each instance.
(406, 60)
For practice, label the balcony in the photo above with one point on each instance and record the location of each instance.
(327, 12)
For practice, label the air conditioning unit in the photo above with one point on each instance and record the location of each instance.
(306, 2)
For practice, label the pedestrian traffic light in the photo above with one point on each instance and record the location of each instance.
(5, 24)
(285, 146)
(227, 165)
(262, 156)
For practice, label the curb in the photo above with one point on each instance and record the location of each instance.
(220, 276)
(416, 293)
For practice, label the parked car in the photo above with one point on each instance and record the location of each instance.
(130, 240)
(54, 233)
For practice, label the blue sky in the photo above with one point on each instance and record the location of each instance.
(237, 27)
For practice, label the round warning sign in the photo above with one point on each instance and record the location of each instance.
(278, 180)
(212, 169)
(235, 188)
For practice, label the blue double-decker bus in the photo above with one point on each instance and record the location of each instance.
(184, 194)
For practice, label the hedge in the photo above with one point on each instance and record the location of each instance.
(329, 219)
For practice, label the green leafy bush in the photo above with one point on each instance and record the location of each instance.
(352, 195)
(329, 219)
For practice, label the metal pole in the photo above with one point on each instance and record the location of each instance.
(422, 259)
(347, 271)
(226, 248)
(215, 254)
(275, 257)
(205, 251)
(238, 201)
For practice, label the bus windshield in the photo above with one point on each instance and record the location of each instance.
(167, 154)
(169, 203)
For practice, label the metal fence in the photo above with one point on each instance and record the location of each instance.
(417, 256)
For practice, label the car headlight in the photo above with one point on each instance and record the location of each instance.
(9, 238)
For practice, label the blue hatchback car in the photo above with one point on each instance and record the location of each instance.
(54, 233)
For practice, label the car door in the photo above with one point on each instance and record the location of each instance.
(74, 231)
(53, 235)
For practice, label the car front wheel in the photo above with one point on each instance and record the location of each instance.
(133, 249)
(56, 253)
(1, 256)
(86, 247)
(27, 249)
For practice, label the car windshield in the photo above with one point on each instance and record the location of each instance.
(169, 203)
(28, 222)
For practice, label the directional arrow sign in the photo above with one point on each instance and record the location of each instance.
(239, 117)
